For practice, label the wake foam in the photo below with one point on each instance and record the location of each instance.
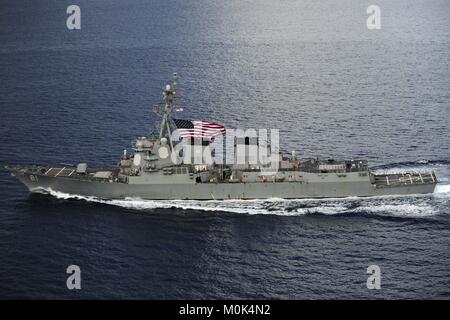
(414, 206)
(442, 189)
(413, 164)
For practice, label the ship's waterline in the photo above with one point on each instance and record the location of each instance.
(406, 206)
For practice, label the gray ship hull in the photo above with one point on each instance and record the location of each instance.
(312, 186)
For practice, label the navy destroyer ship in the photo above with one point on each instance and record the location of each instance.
(150, 172)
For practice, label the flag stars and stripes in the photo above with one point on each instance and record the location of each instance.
(198, 128)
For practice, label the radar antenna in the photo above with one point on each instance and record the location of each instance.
(169, 99)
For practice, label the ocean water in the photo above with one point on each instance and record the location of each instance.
(309, 68)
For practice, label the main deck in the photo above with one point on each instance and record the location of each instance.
(403, 179)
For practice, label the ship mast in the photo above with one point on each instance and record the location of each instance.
(169, 99)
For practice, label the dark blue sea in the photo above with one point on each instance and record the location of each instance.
(312, 69)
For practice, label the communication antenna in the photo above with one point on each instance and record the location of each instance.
(169, 99)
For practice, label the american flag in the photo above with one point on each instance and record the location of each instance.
(198, 129)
